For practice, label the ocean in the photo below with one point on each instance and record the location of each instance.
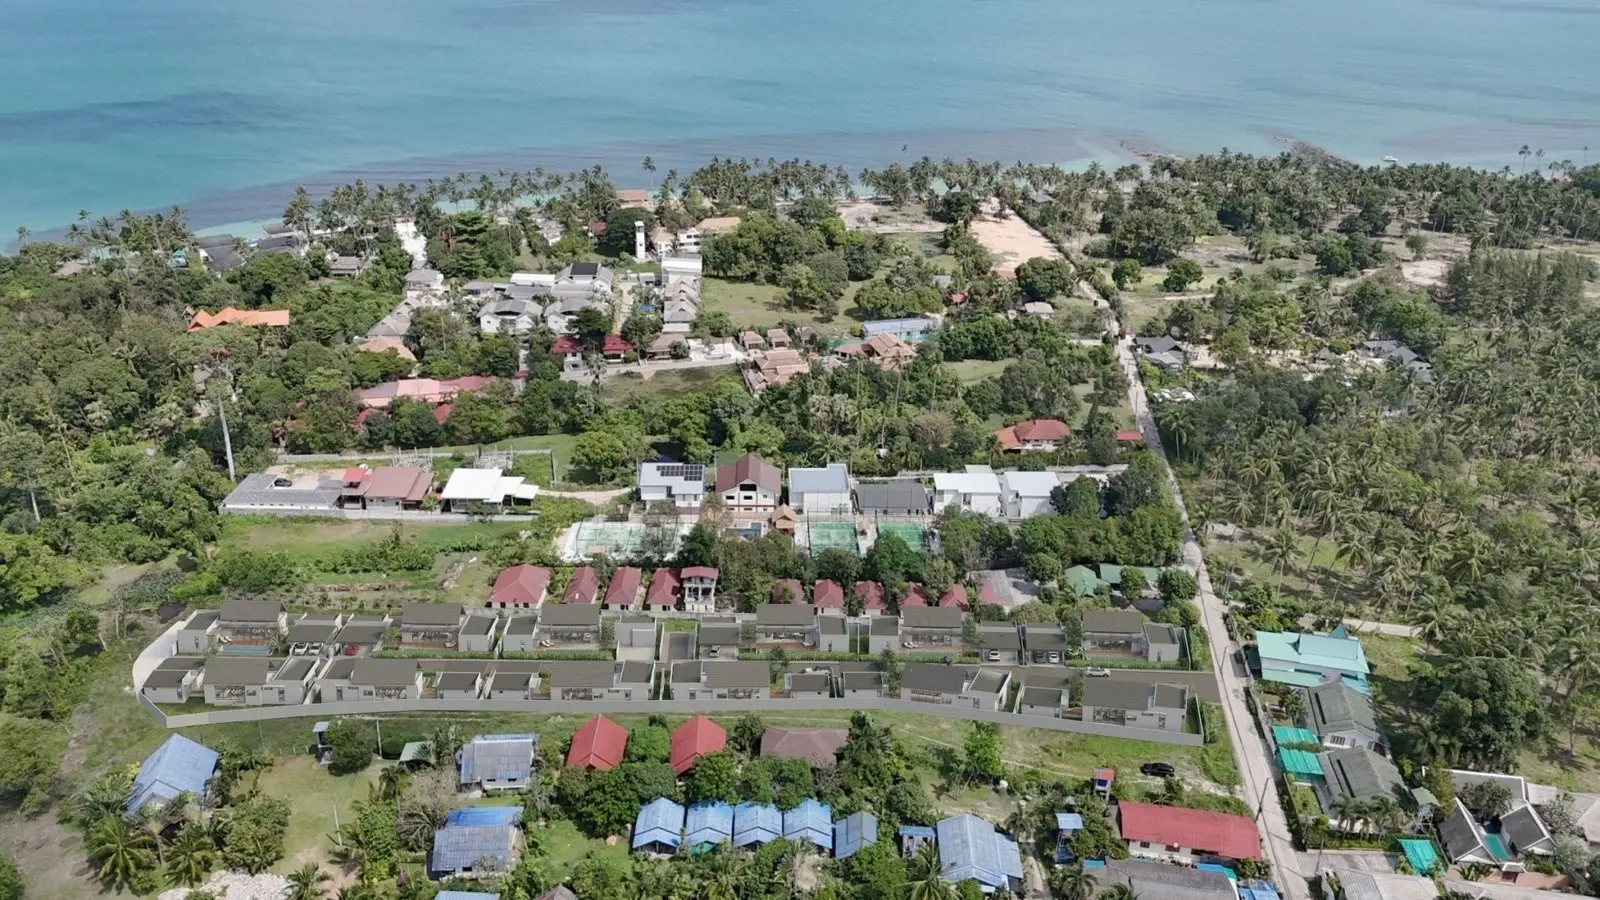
(224, 107)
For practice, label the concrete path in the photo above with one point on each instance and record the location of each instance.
(598, 498)
(1249, 745)
(1388, 628)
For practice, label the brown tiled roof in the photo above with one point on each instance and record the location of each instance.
(582, 587)
(750, 467)
(819, 746)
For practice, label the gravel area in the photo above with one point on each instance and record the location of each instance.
(236, 886)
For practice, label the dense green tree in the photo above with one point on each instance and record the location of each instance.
(713, 777)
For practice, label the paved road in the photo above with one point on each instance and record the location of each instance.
(1249, 745)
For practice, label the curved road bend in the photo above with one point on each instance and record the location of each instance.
(1250, 749)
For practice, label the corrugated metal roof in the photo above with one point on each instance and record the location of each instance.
(659, 822)
(969, 847)
(756, 823)
(708, 823)
(479, 848)
(811, 821)
(484, 815)
(498, 757)
(854, 832)
(178, 766)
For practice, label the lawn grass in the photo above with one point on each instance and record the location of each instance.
(564, 847)
(316, 799)
(760, 306)
(311, 539)
(1121, 414)
(630, 386)
(972, 371)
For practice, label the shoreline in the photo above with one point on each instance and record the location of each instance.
(245, 209)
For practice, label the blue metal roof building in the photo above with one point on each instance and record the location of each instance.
(659, 826)
(178, 766)
(910, 329)
(498, 761)
(484, 815)
(472, 849)
(969, 847)
(810, 821)
(853, 832)
(708, 824)
(756, 823)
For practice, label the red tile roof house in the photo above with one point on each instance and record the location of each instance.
(788, 590)
(520, 587)
(871, 595)
(693, 739)
(582, 587)
(955, 595)
(598, 745)
(391, 487)
(828, 597)
(571, 354)
(662, 596)
(1041, 435)
(1130, 436)
(699, 586)
(615, 349)
(422, 390)
(623, 591)
(750, 483)
(1186, 835)
(914, 596)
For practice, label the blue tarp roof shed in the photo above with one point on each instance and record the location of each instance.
(473, 848)
(660, 823)
(1257, 890)
(504, 759)
(708, 823)
(484, 815)
(853, 832)
(756, 823)
(1069, 822)
(178, 766)
(969, 847)
(810, 821)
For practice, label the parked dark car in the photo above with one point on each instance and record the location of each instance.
(1159, 770)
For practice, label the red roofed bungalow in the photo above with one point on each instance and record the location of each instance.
(1130, 436)
(987, 595)
(522, 586)
(582, 587)
(695, 738)
(662, 595)
(441, 413)
(788, 590)
(954, 595)
(623, 589)
(1195, 833)
(597, 745)
(565, 344)
(615, 348)
(354, 476)
(1034, 434)
(914, 596)
(871, 595)
(828, 595)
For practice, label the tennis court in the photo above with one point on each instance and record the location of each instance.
(915, 535)
(823, 535)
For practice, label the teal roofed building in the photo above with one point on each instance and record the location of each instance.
(1083, 581)
(1309, 660)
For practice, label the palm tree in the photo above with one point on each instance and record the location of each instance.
(1280, 548)
(358, 892)
(306, 882)
(106, 797)
(121, 851)
(390, 781)
(1071, 883)
(925, 877)
(190, 857)
(1348, 812)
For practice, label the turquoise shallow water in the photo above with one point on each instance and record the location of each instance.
(107, 104)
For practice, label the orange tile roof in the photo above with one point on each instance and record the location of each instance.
(269, 318)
